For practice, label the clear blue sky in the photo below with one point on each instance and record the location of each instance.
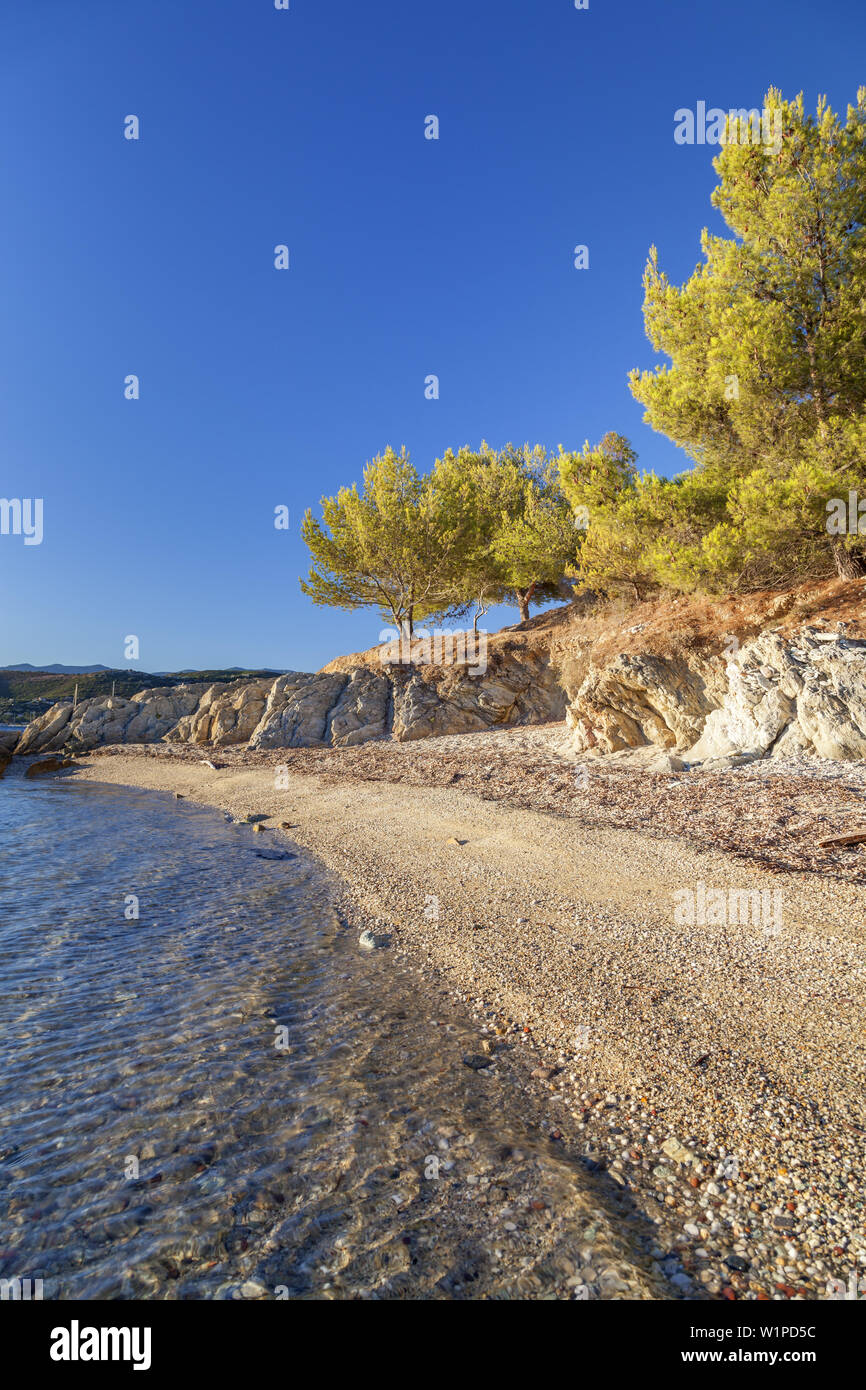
(408, 257)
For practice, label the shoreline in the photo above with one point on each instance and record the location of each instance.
(368, 1156)
(711, 1075)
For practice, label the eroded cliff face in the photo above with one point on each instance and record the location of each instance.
(775, 697)
(302, 710)
(226, 713)
(518, 688)
(147, 717)
(804, 694)
(768, 675)
(642, 698)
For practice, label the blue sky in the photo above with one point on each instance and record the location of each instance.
(409, 257)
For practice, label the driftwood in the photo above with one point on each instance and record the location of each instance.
(855, 837)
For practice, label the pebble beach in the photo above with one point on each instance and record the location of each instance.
(711, 1075)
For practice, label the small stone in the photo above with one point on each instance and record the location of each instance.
(477, 1062)
(677, 1151)
(368, 942)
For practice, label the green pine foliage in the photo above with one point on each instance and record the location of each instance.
(396, 545)
(524, 541)
(482, 527)
(766, 386)
(764, 389)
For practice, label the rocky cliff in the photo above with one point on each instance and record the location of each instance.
(147, 717)
(300, 710)
(765, 675)
(768, 675)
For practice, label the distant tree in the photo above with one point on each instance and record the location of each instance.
(398, 545)
(524, 541)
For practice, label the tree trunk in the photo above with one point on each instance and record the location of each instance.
(523, 600)
(817, 390)
(405, 628)
(849, 565)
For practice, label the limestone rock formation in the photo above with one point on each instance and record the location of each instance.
(296, 714)
(806, 694)
(302, 710)
(642, 698)
(779, 695)
(110, 719)
(433, 700)
(363, 710)
(227, 713)
(696, 682)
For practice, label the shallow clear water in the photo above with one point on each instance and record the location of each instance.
(224, 1097)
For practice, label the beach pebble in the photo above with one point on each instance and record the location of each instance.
(677, 1151)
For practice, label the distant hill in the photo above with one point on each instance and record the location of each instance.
(56, 669)
(232, 671)
(28, 683)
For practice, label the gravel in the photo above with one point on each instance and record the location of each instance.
(714, 1073)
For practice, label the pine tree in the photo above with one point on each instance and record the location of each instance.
(398, 545)
(766, 390)
(523, 536)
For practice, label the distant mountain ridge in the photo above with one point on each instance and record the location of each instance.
(56, 669)
(27, 683)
